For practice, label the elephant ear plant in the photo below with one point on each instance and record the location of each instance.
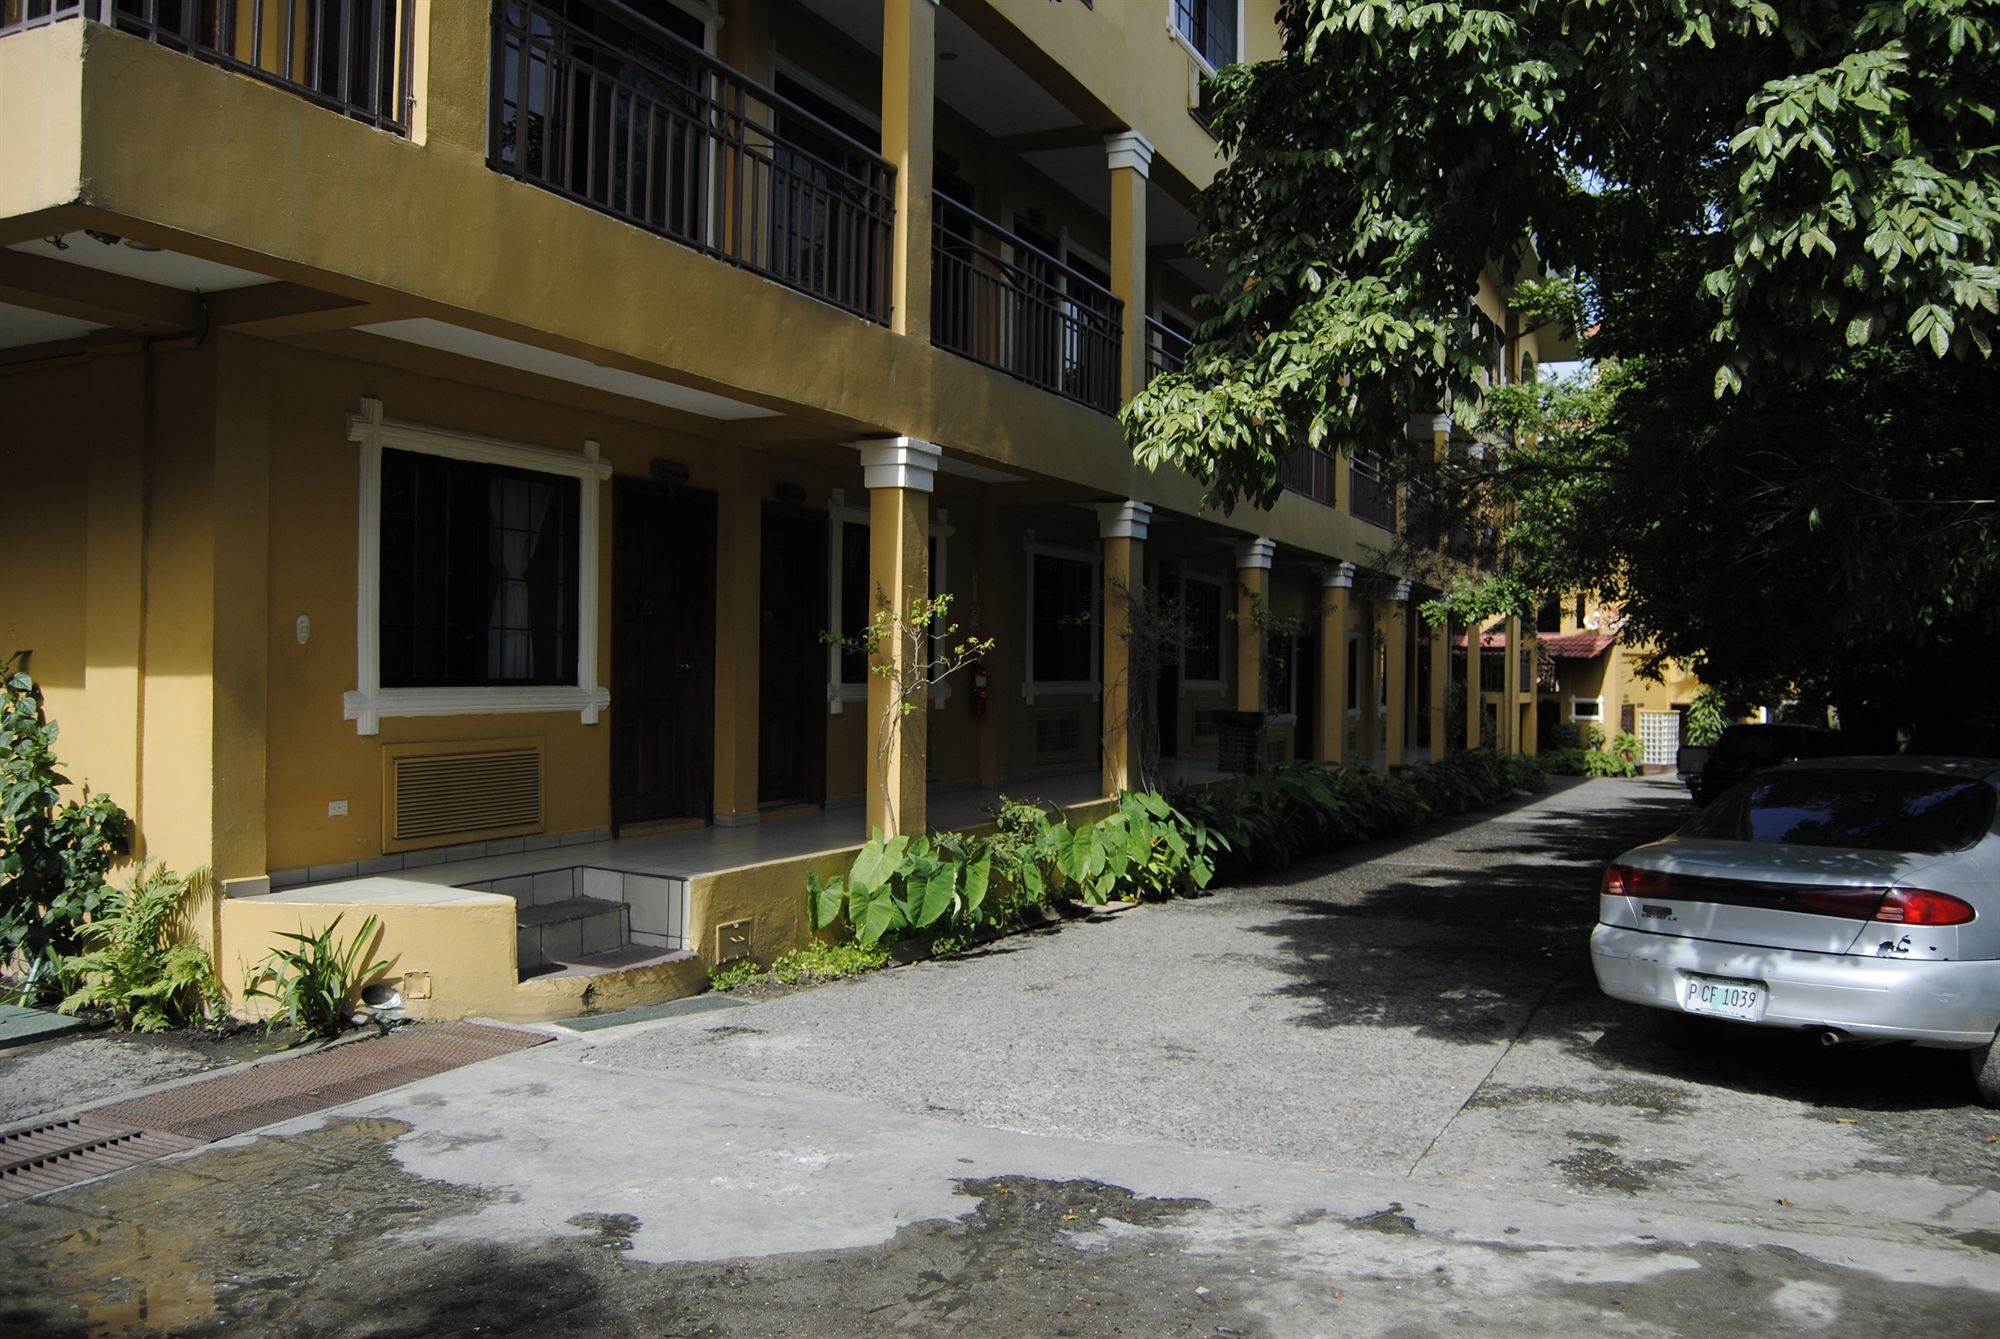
(315, 984)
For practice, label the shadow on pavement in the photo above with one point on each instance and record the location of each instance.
(1496, 946)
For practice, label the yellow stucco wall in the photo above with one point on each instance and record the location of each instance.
(45, 441)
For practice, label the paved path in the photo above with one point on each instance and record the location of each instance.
(1372, 1095)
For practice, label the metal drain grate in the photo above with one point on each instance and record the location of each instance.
(61, 1153)
(53, 1154)
(265, 1094)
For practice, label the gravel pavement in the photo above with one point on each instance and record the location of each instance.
(1377, 1094)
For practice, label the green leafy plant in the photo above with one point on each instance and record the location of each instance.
(1628, 746)
(139, 971)
(53, 852)
(315, 984)
(1707, 718)
(823, 961)
(730, 975)
(1146, 849)
(1023, 851)
(903, 885)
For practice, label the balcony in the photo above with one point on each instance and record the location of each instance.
(349, 56)
(602, 105)
(1001, 300)
(1167, 349)
(1311, 473)
(1369, 497)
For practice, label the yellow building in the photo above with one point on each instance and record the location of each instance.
(441, 433)
(1591, 675)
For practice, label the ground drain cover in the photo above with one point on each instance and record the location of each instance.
(48, 1155)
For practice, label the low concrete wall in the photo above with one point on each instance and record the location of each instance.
(450, 952)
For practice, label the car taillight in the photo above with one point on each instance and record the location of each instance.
(1625, 881)
(1895, 906)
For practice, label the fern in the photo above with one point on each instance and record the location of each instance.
(138, 971)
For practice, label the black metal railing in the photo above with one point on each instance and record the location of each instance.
(1002, 301)
(596, 102)
(350, 56)
(1369, 497)
(1166, 349)
(1310, 472)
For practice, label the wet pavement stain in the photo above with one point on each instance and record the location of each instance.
(1654, 1101)
(1391, 1219)
(323, 1234)
(1598, 1168)
(613, 1231)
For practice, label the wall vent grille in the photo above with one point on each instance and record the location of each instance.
(1057, 736)
(463, 795)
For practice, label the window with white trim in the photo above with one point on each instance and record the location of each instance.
(1209, 28)
(476, 578)
(1586, 708)
(1062, 651)
(1201, 659)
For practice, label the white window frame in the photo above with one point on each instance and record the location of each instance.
(1174, 31)
(840, 514)
(1093, 687)
(1218, 685)
(1596, 705)
(369, 702)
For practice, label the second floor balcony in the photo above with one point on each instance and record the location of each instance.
(349, 56)
(599, 103)
(1004, 300)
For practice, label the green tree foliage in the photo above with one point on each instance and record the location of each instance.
(53, 852)
(1779, 219)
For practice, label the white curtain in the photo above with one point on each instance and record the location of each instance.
(516, 510)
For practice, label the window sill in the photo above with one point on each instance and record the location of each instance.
(1068, 688)
(368, 709)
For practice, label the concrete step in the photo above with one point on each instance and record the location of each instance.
(561, 932)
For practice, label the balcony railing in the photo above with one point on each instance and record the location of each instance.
(1166, 349)
(596, 102)
(1368, 497)
(1310, 472)
(350, 56)
(1002, 301)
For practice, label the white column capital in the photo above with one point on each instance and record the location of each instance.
(1401, 593)
(900, 462)
(1424, 427)
(1255, 554)
(1128, 148)
(1337, 576)
(1123, 520)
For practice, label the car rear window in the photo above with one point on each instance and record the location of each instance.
(1755, 745)
(1874, 810)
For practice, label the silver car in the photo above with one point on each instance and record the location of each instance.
(1858, 898)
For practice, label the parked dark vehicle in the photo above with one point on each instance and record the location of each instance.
(1745, 750)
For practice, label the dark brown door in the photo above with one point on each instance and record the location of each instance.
(791, 695)
(662, 653)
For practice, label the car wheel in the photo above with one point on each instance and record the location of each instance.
(1986, 1072)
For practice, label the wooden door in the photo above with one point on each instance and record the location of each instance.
(791, 685)
(662, 653)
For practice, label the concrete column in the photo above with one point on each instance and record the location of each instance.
(242, 603)
(1396, 622)
(1131, 158)
(739, 603)
(1473, 632)
(743, 38)
(1510, 689)
(1440, 688)
(1531, 695)
(900, 473)
(1253, 593)
(106, 752)
(1122, 528)
(1330, 717)
(451, 63)
(909, 84)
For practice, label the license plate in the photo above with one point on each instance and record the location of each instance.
(1722, 997)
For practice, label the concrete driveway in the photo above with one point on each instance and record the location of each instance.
(1372, 1094)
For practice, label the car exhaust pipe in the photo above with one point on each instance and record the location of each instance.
(1831, 1036)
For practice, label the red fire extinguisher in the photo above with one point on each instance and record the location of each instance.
(978, 694)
